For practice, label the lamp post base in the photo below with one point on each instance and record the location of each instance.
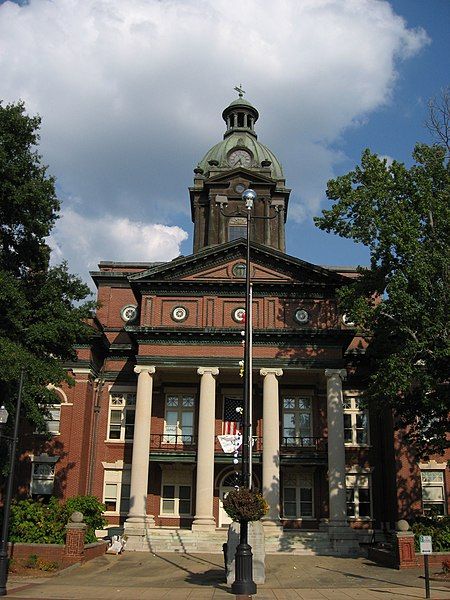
(4, 564)
(244, 584)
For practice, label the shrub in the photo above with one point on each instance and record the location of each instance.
(33, 522)
(37, 523)
(32, 561)
(245, 505)
(437, 527)
(92, 510)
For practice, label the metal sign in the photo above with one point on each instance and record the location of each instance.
(426, 546)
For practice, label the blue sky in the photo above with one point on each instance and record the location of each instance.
(131, 96)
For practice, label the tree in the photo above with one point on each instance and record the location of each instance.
(401, 301)
(43, 308)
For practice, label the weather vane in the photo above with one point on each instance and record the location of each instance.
(239, 90)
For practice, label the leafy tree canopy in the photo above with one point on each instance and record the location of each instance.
(401, 301)
(43, 308)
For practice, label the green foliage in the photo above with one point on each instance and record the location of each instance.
(245, 505)
(43, 310)
(37, 523)
(437, 527)
(33, 522)
(32, 561)
(400, 303)
(92, 510)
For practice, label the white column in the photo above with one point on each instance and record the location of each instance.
(336, 447)
(141, 448)
(271, 445)
(204, 518)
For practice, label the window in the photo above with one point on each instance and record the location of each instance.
(121, 416)
(297, 421)
(237, 228)
(52, 418)
(176, 492)
(116, 490)
(358, 495)
(176, 500)
(433, 492)
(179, 421)
(298, 495)
(356, 422)
(42, 475)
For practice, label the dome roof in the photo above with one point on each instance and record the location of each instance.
(241, 140)
(240, 116)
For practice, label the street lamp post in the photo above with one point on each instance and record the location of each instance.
(4, 561)
(244, 586)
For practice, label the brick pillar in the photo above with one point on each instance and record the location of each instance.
(404, 549)
(75, 530)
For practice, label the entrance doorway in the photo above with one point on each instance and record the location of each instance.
(227, 484)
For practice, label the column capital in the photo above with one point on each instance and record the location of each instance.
(144, 369)
(276, 372)
(203, 370)
(342, 373)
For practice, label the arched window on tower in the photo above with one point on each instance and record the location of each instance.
(237, 228)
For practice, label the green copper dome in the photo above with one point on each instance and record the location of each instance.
(240, 146)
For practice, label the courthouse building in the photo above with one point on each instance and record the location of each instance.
(161, 381)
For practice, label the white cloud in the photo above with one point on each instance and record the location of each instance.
(89, 240)
(131, 92)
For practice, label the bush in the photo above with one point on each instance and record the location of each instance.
(33, 522)
(36, 523)
(245, 505)
(92, 509)
(437, 527)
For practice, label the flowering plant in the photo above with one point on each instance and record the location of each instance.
(243, 504)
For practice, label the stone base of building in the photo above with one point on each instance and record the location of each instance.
(272, 526)
(344, 541)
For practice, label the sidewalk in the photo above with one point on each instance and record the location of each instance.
(141, 576)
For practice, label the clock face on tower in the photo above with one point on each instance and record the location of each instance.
(240, 158)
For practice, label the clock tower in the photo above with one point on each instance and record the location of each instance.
(236, 163)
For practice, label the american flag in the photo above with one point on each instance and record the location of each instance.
(232, 420)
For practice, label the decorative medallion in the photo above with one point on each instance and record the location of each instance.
(128, 313)
(239, 270)
(239, 188)
(301, 316)
(347, 321)
(239, 314)
(179, 313)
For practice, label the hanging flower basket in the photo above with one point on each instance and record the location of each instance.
(245, 505)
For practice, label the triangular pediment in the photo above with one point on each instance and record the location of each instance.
(243, 173)
(226, 263)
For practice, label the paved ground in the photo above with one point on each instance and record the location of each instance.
(139, 576)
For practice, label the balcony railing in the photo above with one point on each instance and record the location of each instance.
(294, 444)
(170, 441)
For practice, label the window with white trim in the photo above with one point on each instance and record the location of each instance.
(116, 490)
(53, 418)
(358, 490)
(122, 406)
(298, 494)
(176, 493)
(356, 422)
(179, 419)
(433, 492)
(297, 421)
(42, 475)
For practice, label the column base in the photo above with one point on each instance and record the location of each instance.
(137, 532)
(203, 524)
(272, 525)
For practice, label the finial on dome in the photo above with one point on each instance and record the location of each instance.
(239, 90)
